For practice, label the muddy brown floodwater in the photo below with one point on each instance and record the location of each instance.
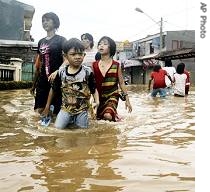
(150, 150)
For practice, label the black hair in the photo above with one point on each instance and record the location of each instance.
(168, 62)
(156, 67)
(112, 44)
(180, 68)
(73, 43)
(97, 56)
(54, 17)
(89, 37)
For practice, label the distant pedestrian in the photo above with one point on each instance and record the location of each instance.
(158, 79)
(180, 80)
(171, 71)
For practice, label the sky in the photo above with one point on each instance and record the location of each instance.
(114, 18)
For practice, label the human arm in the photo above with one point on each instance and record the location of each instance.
(124, 90)
(149, 85)
(49, 100)
(55, 88)
(172, 81)
(36, 74)
(94, 101)
(151, 81)
(34, 83)
(188, 77)
(53, 75)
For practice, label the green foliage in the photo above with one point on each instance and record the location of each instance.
(8, 85)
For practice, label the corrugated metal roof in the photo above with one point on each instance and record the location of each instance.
(150, 56)
(183, 53)
(131, 63)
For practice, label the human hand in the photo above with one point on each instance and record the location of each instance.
(45, 112)
(128, 106)
(93, 110)
(95, 107)
(32, 91)
(52, 76)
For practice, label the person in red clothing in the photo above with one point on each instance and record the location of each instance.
(158, 78)
(187, 85)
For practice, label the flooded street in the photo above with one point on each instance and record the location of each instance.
(150, 150)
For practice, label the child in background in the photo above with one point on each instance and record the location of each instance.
(171, 71)
(87, 40)
(180, 80)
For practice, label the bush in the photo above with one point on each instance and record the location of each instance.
(8, 85)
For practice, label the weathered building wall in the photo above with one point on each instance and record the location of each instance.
(17, 50)
(11, 21)
(15, 20)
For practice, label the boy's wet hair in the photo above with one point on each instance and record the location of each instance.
(73, 43)
(168, 62)
(156, 67)
(112, 45)
(89, 37)
(54, 17)
(180, 68)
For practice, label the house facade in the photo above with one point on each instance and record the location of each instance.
(15, 20)
(17, 48)
(137, 57)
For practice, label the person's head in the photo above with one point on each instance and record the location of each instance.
(156, 67)
(74, 51)
(107, 45)
(87, 40)
(168, 62)
(180, 68)
(50, 21)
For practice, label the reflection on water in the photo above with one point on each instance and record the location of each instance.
(150, 150)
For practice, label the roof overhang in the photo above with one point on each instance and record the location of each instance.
(131, 63)
(151, 56)
(183, 53)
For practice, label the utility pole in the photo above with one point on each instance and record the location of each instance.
(161, 34)
(161, 25)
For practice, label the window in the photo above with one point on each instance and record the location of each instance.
(151, 48)
(175, 44)
(27, 24)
